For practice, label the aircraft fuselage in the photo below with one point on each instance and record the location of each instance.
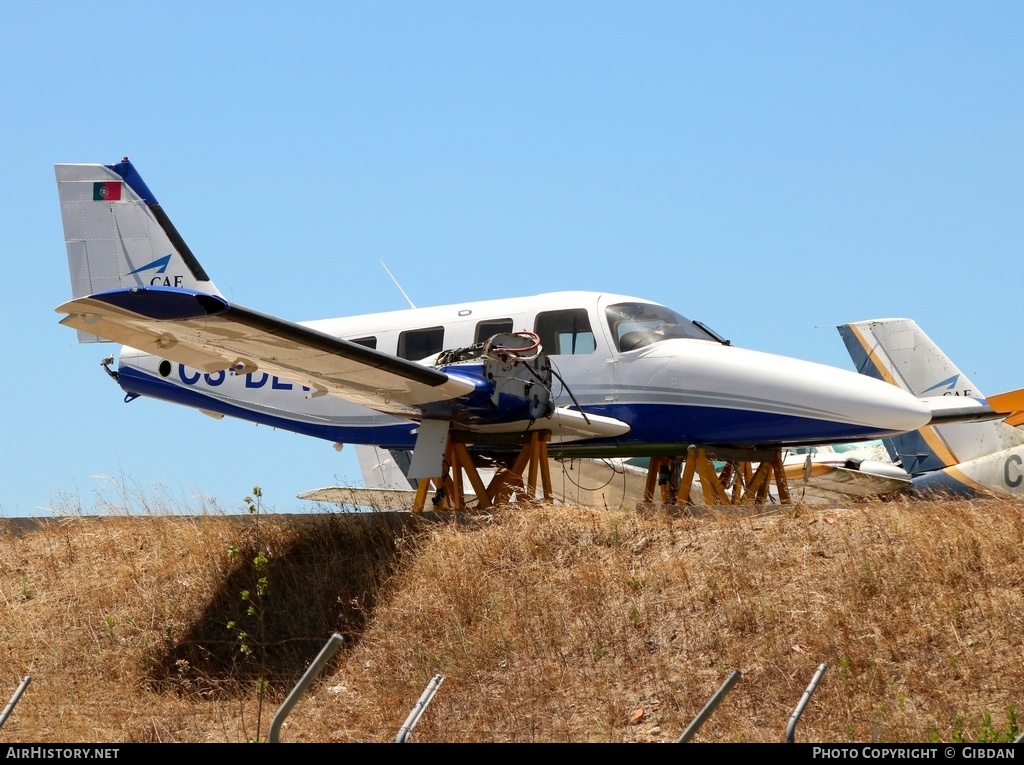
(671, 380)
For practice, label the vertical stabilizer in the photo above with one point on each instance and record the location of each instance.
(118, 235)
(383, 469)
(899, 352)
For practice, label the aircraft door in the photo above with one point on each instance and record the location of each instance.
(568, 338)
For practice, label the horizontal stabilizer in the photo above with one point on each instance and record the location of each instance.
(1010, 404)
(947, 409)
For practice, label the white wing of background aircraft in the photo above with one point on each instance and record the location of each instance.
(816, 475)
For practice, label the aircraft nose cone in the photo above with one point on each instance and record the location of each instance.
(790, 401)
(841, 396)
(885, 406)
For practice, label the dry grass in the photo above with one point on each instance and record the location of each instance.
(549, 624)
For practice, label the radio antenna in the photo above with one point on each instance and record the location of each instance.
(411, 304)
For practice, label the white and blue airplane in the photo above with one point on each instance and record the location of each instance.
(959, 458)
(603, 374)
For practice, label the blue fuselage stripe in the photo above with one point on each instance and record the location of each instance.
(656, 423)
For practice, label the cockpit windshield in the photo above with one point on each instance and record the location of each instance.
(635, 325)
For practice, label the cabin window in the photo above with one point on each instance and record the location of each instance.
(418, 344)
(565, 332)
(488, 329)
(366, 342)
(634, 325)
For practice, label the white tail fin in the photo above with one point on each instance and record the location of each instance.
(381, 468)
(117, 234)
(899, 352)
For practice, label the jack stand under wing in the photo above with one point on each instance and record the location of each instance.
(738, 482)
(449, 488)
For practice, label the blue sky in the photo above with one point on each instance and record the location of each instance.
(772, 169)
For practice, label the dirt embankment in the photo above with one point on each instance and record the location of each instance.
(548, 624)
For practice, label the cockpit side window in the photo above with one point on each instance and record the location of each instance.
(565, 332)
(635, 325)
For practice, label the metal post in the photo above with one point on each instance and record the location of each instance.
(710, 707)
(795, 717)
(419, 709)
(333, 644)
(14, 700)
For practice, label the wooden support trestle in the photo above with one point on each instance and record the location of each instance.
(449, 492)
(736, 483)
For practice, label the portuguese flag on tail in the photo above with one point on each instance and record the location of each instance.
(106, 191)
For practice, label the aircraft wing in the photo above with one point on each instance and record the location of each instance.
(208, 333)
(823, 482)
(378, 499)
(592, 483)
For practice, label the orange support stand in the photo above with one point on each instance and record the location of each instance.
(738, 482)
(532, 460)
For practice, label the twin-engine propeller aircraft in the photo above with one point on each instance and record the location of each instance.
(961, 458)
(593, 374)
